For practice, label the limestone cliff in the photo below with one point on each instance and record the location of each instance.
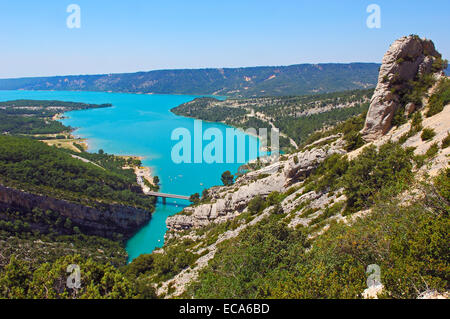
(111, 219)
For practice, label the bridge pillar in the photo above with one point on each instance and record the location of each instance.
(164, 200)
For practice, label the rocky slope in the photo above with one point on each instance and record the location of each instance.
(229, 202)
(111, 219)
(302, 206)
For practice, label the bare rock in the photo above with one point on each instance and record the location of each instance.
(229, 202)
(406, 58)
(433, 294)
(301, 164)
(409, 108)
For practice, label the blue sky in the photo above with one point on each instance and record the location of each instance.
(140, 35)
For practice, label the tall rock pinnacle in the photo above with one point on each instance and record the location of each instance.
(406, 59)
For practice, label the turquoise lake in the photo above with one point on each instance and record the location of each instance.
(142, 125)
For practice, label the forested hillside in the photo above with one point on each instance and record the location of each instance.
(238, 82)
(296, 116)
(36, 117)
(56, 210)
(34, 166)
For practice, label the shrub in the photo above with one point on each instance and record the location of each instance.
(427, 134)
(439, 99)
(354, 141)
(446, 141)
(194, 198)
(227, 178)
(416, 123)
(256, 205)
(439, 64)
(432, 151)
(371, 171)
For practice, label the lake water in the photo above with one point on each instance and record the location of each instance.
(142, 125)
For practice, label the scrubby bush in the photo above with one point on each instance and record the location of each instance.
(270, 260)
(432, 150)
(439, 99)
(227, 178)
(446, 141)
(256, 205)
(427, 134)
(48, 281)
(371, 171)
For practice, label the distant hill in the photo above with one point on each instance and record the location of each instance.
(237, 82)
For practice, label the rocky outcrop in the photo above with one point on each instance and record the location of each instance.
(101, 222)
(300, 165)
(228, 206)
(407, 58)
(228, 202)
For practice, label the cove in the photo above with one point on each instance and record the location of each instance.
(141, 125)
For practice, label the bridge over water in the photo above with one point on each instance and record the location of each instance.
(164, 196)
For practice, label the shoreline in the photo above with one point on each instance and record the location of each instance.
(120, 92)
(143, 173)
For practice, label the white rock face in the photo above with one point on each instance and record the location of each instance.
(300, 165)
(406, 58)
(228, 202)
(227, 207)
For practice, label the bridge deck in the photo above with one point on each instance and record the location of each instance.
(167, 195)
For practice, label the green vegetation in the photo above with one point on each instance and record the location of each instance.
(45, 242)
(39, 106)
(214, 114)
(163, 266)
(35, 117)
(349, 129)
(432, 151)
(416, 127)
(270, 260)
(227, 178)
(439, 99)
(36, 167)
(300, 129)
(446, 141)
(439, 64)
(407, 239)
(111, 162)
(20, 279)
(389, 168)
(427, 134)
(296, 116)
(29, 125)
(194, 198)
(256, 205)
(366, 177)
